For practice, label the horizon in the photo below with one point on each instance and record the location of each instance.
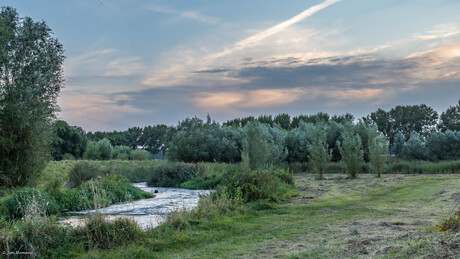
(159, 62)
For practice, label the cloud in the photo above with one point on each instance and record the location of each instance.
(440, 31)
(106, 62)
(187, 15)
(255, 39)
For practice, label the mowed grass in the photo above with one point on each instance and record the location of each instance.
(388, 217)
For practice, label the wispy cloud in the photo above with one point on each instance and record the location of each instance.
(255, 39)
(439, 32)
(188, 15)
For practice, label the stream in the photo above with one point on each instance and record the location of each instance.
(147, 213)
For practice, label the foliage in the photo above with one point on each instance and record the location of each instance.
(105, 149)
(153, 138)
(102, 234)
(83, 171)
(140, 155)
(22, 202)
(351, 151)
(251, 185)
(67, 140)
(378, 152)
(173, 174)
(398, 143)
(451, 224)
(196, 141)
(443, 145)
(320, 154)
(263, 146)
(31, 77)
(297, 142)
(92, 151)
(414, 148)
(405, 118)
(121, 153)
(450, 119)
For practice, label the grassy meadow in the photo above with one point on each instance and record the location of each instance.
(271, 213)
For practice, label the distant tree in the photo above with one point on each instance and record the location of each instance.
(195, 141)
(444, 145)
(121, 153)
(153, 138)
(31, 78)
(405, 118)
(320, 117)
(320, 154)
(450, 119)
(382, 119)
(140, 155)
(256, 153)
(351, 152)
(67, 140)
(284, 120)
(414, 148)
(334, 133)
(343, 119)
(297, 142)
(398, 143)
(92, 151)
(133, 135)
(378, 152)
(266, 119)
(105, 149)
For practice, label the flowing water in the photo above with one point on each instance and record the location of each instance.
(148, 213)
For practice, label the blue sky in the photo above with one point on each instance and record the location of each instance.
(137, 63)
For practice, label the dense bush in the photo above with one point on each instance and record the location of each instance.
(263, 146)
(252, 185)
(414, 148)
(121, 153)
(174, 174)
(298, 141)
(140, 155)
(103, 234)
(196, 141)
(29, 200)
(84, 171)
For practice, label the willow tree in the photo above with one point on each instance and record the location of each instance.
(31, 78)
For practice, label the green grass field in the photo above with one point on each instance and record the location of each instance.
(391, 217)
(368, 217)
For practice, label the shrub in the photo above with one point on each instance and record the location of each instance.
(103, 234)
(105, 149)
(68, 156)
(92, 151)
(29, 200)
(140, 155)
(173, 174)
(320, 154)
(247, 186)
(351, 152)
(378, 152)
(84, 171)
(263, 146)
(414, 148)
(450, 224)
(121, 153)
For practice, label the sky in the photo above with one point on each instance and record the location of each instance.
(138, 63)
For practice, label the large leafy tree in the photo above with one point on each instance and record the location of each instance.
(450, 119)
(31, 78)
(68, 140)
(153, 138)
(405, 118)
